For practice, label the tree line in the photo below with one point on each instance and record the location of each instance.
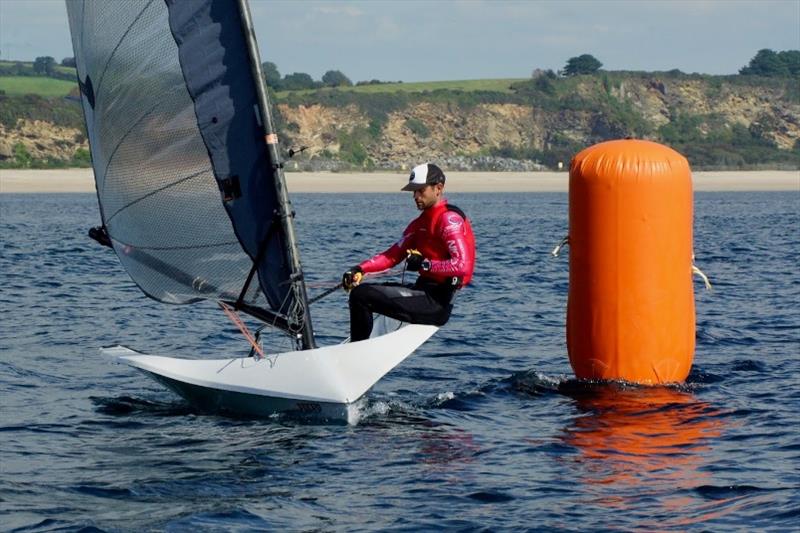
(298, 81)
(766, 62)
(45, 66)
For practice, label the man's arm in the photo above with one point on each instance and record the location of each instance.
(389, 258)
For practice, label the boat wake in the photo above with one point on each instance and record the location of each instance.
(401, 408)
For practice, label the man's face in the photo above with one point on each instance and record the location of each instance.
(428, 196)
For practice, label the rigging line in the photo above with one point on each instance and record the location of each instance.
(297, 312)
(151, 193)
(125, 136)
(269, 317)
(259, 255)
(170, 248)
(325, 293)
(231, 312)
(290, 329)
(283, 302)
(114, 51)
(339, 285)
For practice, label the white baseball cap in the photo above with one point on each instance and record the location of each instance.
(422, 175)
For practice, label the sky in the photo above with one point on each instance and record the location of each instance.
(417, 40)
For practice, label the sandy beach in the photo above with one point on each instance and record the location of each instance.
(82, 181)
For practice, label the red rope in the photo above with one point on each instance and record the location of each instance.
(231, 312)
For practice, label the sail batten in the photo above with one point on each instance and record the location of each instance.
(119, 43)
(181, 167)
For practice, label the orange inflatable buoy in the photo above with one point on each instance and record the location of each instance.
(630, 311)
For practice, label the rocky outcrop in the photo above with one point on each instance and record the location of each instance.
(720, 105)
(318, 128)
(40, 140)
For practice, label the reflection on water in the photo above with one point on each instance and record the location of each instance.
(637, 442)
(445, 448)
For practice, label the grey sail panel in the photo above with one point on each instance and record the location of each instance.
(183, 175)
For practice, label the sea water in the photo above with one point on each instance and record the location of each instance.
(481, 428)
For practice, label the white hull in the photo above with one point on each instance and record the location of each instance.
(322, 382)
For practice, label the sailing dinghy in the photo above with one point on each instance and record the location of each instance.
(194, 203)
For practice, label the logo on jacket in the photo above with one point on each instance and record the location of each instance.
(455, 222)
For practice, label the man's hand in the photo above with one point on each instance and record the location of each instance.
(415, 262)
(352, 278)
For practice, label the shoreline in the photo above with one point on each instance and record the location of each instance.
(81, 180)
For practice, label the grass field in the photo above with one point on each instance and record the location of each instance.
(47, 87)
(500, 85)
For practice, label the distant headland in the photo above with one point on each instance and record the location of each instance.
(746, 121)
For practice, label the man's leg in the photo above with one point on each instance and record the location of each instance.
(396, 301)
(360, 314)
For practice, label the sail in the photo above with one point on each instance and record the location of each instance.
(185, 180)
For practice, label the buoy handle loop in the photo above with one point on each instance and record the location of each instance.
(564, 242)
(700, 273)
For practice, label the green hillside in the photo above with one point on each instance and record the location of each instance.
(38, 85)
(499, 86)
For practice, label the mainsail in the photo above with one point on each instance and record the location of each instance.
(188, 176)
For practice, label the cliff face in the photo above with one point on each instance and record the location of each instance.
(435, 130)
(719, 106)
(421, 130)
(40, 140)
(713, 120)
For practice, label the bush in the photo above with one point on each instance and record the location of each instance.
(351, 149)
(681, 130)
(58, 111)
(81, 158)
(725, 147)
(418, 128)
(21, 156)
(335, 78)
(544, 84)
(376, 82)
(298, 81)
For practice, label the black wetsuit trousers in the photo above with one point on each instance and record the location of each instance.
(424, 302)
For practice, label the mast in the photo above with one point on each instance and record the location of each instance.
(306, 335)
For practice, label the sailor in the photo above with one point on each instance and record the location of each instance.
(438, 244)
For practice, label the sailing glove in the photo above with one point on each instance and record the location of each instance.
(352, 277)
(415, 262)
